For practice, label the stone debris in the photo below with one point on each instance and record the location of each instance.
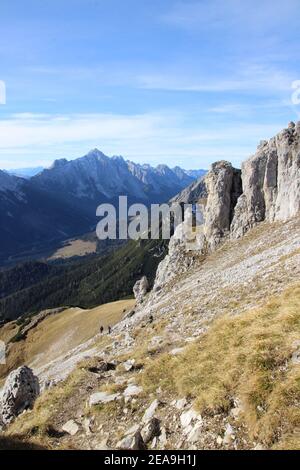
(180, 404)
(132, 391)
(133, 442)
(149, 413)
(176, 351)
(229, 434)
(151, 430)
(195, 433)
(188, 417)
(103, 397)
(134, 429)
(129, 365)
(88, 425)
(71, 427)
(163, 437)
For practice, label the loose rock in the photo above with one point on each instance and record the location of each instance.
(103, 397)
(132, 390)
(129, 365)
(140, 289)
(187, 417)
(20, 391)
(151, 430)
(134, 442)
(70, 427)
(149, 413)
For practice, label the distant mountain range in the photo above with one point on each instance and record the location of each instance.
(60, 202)
(26, 172)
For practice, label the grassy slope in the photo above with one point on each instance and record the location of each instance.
(59, 333)
(248, 357)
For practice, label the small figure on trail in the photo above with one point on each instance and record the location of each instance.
(151, 319)
(109, 330)
(101, 329)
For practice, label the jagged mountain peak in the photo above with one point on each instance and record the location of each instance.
(96, 174)
(96, 153)
(76, 188)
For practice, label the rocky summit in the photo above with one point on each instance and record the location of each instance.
(267, 188)
(206, 359)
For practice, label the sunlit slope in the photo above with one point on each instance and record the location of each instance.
(59, 333)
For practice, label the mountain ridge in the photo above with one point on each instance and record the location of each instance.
(60, 202)
(98, 168)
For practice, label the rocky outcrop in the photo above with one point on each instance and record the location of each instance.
(271, 182)
(224, 186)
(19, 393)
(175, 262)
(140, 289)
(216, 196)
(233, 201)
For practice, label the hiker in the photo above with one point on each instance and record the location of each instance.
(101, 329)
(151, 319)
(109, 330)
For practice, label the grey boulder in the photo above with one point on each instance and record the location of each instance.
(20, 391)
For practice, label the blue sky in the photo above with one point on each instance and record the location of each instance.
(158, 81)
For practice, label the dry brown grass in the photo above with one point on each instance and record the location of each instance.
(76, 247)
(36, 423)
(248, 357)
(59, 333)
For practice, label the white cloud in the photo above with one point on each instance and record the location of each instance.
(28, 129)
(243, 78)
(168, 137)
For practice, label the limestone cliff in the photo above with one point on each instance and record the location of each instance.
(271, 182)
(233, 201)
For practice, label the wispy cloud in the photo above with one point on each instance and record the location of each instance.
(151, 137)
(28, 129)
(250, 77)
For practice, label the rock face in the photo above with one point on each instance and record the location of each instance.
(176, 258)
(216, 197)
(140, 289)
(233, 201)
(271, 182)
(19, 393)
(224, 186)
